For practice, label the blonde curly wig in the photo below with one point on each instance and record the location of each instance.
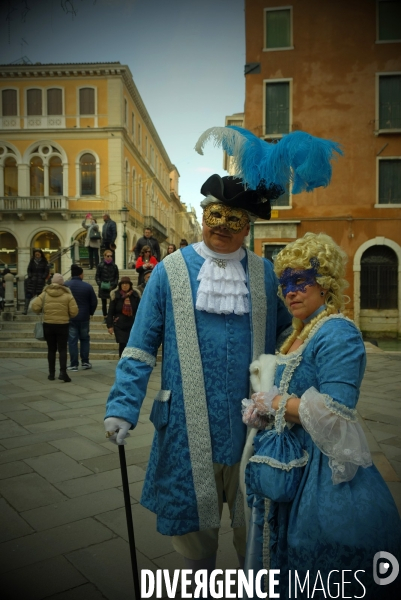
(332, 261)
(331, 271)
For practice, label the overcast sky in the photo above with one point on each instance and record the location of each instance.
(186, 56)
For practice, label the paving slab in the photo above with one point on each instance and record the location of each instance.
(137, 456)
(59, 424)
(82, 592)
(29, 491)
(45, 406)
(100, 481)
(13, 469)
(38, 438)
(80, 448)
(42, 545)
(57, 467)
(11, 524)
(9, 429)
(27, 417)
(75, 509)
(108, 566)
(41, 580)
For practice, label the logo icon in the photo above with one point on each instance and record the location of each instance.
(381, 568)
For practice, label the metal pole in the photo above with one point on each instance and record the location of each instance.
(130, 524)
(125, 247)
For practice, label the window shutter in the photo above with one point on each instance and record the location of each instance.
(278, 28)
(34, 98)
(390, 182)
(390, 20)
(54, 102)
(9, 98)
(86, 101)
(277, 108)
(390, 102)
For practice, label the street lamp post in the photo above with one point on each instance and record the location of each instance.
(124, 212)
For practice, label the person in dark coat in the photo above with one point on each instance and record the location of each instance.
(38, 272)
(147, 240)
(85, 297)
(107, 279)
(122, 311)
(109, 234)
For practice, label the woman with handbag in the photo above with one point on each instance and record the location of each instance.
(58, 306)
(146, 262)
(122, 311)
(92, 240)
(107, 279)
(319, 506)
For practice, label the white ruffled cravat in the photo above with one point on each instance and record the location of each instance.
(222, 288)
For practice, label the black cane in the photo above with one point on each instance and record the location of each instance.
(130, 524)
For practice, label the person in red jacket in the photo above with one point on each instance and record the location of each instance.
(146, 262)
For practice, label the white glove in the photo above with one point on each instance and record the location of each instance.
(117, 429)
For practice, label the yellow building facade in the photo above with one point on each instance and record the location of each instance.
(77, 139)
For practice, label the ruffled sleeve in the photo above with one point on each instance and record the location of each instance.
(328, 414)
(335, 430)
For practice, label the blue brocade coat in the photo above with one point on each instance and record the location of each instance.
(205, 376)
(326, 527)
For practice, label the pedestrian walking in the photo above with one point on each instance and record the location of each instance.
(58, 305)
(109, 234)
(92, 240)
(38, 272)
(107, 279)
(147, 240)
(124, 303)
(86, 300)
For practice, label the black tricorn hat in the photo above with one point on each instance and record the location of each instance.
(231, 192)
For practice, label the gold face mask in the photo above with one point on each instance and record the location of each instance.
(219, 215)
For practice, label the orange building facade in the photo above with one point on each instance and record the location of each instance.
(333, 69)
(77, 139)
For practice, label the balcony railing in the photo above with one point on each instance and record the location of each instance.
(33, 203)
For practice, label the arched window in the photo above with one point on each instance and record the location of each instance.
(88, 175)
(36, 176)
(10, 177)
(9, 103)
(126, 182)
(55, 176)
(379, 274)
(140, 194)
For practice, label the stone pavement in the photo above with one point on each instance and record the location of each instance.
(63, 533)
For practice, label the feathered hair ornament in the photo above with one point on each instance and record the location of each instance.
(297, 158)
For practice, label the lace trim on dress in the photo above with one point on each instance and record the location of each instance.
(193, 388)
(138, 354)
(266, 541)
(336, 432)
(272, 462)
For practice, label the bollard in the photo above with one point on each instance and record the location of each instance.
(9, 306)
(20, 292)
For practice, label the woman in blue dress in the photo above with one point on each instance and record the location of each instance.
(338, 512)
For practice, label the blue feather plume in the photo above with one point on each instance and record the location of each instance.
(298, 158)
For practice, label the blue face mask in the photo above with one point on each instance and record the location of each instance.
(293, 280)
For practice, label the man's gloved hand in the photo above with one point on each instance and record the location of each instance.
(116, 429)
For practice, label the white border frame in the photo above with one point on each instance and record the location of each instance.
(377, 28)
(378, 159)
(379, 131)
(95, 115)
(377, 241)
(275, 8)
(78, 174)
(273, 136)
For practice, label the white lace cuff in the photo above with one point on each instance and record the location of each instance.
(335, 430)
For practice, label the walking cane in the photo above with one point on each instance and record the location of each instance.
(130, 524)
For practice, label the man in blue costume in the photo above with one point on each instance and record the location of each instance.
(214, 308)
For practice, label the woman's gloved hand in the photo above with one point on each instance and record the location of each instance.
(117, 429)
(258, 412)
